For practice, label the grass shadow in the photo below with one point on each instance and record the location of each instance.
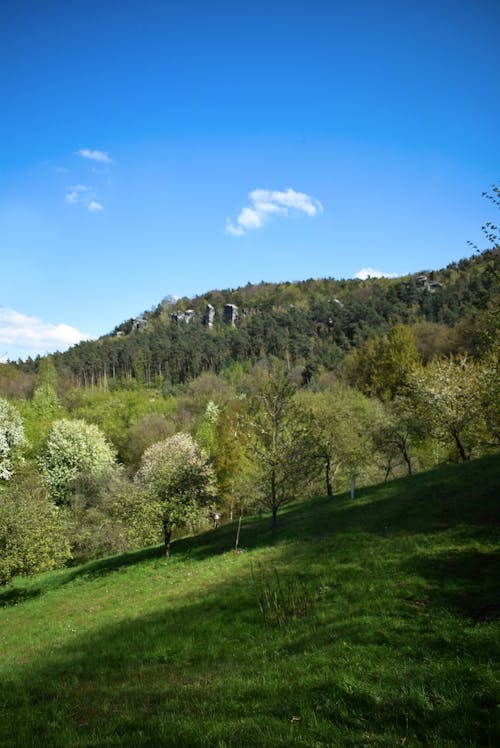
(464, 581)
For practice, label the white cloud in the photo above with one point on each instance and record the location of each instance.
(365, 273)
(266, 203)
(80, 194)
(30, 336)
(75, 193)
(101, 156)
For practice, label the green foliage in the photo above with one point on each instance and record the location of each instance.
(15, 383)
(73, 447)
(279, 442)
(179, 482)
(117, 413)
(12, 438)
(148, 430)
(32, 532)
(206, 431)
(232, 466)
(344, 424)
(454, 396)
(400, 436)
(109, 514)
(381, 367)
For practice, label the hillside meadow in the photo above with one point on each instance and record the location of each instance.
(388, 633)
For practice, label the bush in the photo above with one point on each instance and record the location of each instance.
(32, 537)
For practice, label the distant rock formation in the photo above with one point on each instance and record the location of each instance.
(139, 324)
(425, 284)
(209, 316)
(187, 316)
(230, 314)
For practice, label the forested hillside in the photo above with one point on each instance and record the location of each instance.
(313, 323)
(243, 400)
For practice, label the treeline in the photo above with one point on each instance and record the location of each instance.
(88, 472)
(313, 323)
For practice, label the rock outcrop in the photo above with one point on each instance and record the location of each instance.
(230, 314)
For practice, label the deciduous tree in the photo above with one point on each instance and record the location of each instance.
(73, 447)
(279, 441)
(451, 395)
(32, 537)
(179, 481)
(12, 438)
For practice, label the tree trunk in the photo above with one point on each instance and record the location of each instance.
(275, 513)
(328, 477)
(273, 500)
(460, 447)
(406, 458)
(167, 532)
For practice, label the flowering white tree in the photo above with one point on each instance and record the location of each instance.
(11, 437)
(454, 396)
(179, 480)
(73, 447)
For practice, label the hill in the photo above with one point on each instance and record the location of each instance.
(313, 321)
(391, 637)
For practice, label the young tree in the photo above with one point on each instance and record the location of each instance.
(73, 447)
(206, 429)
(231, 462)
(344, 421)
(11, 438)
(279, 440)
(179, 481)
(400, 432)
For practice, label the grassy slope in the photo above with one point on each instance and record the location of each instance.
(400, 648)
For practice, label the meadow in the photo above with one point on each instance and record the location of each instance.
(382, 630)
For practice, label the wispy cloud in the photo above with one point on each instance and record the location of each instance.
(365, 273)
(264, 204)
(101, 156)
(80, 194)
(31, 335)
(76, 193)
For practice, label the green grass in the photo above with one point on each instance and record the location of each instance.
(400, 647)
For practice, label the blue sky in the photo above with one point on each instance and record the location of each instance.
(155, 148)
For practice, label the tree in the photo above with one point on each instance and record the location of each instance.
(451, 395)
(11, 438)
(148, 430)
(231, 464)
(73, 447)
(382, 366)
(109, 514)
(179, 481)
(32, 535)
(279, 442)
(399, 434)
(206, 430)
(343, 424)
